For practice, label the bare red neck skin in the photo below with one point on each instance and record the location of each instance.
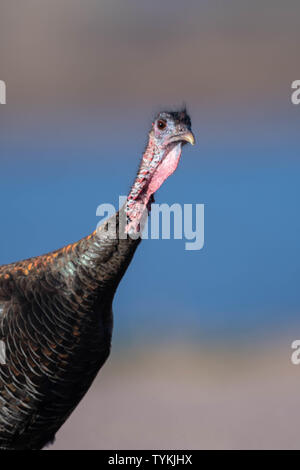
(158, 163)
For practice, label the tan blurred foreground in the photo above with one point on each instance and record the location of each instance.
(183, 398)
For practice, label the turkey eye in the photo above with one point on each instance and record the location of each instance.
(161, 124)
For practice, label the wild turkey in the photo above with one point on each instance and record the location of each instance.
(56, 309)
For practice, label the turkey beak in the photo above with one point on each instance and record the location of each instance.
(185, 137)
(188, 137)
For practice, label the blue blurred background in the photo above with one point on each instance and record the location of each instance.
(83, 82)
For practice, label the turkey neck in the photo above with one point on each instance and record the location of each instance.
(140, 196)
(112, 246)
(104, 256)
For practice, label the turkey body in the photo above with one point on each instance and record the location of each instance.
(56, 323)
(56, 309)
